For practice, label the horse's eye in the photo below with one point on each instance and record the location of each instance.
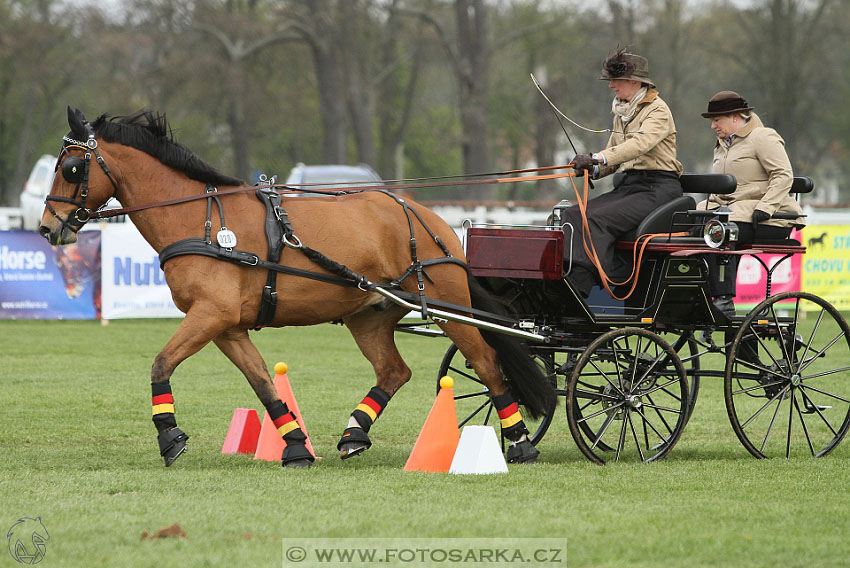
(72, 169)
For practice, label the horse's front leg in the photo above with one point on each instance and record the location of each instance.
(196, 330)
(373, 332)
(237, 346)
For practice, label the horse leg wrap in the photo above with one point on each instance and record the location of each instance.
(355, 440)
(172, 440)
(520, 450)
(295, 454)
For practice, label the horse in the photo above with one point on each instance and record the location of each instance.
(339, 252)
(817, 240)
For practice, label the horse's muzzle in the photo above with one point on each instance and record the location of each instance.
(57, 234)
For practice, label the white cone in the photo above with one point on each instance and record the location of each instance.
(478, 451)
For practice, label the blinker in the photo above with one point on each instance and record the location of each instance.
(72, 169)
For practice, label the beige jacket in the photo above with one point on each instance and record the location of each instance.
(758, 161)
(647, 142)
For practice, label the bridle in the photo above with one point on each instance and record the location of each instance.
(76, 170)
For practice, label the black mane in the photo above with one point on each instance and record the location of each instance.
(149, 132)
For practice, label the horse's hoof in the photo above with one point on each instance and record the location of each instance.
(172, 443)
(351, 449)
(353, 443)
(522, 452)
(296, 456)
(303, 463)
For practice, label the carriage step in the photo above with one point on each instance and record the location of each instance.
(812, 408)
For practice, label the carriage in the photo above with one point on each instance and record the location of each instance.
(629, 366)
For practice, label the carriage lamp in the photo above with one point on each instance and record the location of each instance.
(717, 233)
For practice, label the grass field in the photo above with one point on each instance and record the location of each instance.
(79, 450)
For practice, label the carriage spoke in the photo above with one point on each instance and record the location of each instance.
(622, 441)
(829, 394)
(765, 405)
(811, 337)
(475, 412)
(634, 435)
(817, 409)
(770, 426)
(802, 422)
(820, 353)
(790, 421)
(661, 416)
(603, 429)
(465, 374)
(760, 386)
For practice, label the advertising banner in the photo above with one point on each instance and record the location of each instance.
(826, 264)
(38, 281)
(133, 283)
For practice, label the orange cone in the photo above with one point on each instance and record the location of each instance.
(435, 447)
(270, 445)
(243, 433)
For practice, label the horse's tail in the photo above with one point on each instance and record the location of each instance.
(526, 379)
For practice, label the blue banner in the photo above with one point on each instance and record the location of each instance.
(38, 281)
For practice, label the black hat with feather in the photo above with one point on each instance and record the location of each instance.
(624, 65)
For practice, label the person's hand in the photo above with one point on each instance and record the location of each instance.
(583, 162)
(758, 217)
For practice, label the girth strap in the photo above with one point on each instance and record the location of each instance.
(277, 226)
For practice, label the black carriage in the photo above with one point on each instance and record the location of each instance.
(629, 370)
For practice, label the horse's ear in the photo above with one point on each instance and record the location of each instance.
(76, 120)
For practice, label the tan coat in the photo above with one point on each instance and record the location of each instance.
(646, 142)
(758, 161)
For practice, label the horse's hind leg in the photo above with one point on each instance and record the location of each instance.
(373, 332)
(484, 360)
(237, 346)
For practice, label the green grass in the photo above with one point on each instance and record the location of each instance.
(78, 448)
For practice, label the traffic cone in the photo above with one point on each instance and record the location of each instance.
(243, 433)
(478, 452)
(438, 439)
(270, 445)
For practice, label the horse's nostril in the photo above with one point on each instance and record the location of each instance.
(44, 231)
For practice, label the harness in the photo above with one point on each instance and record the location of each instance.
(279, 234)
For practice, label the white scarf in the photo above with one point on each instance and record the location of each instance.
(626, 109)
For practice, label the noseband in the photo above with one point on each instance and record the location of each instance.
(75, 170)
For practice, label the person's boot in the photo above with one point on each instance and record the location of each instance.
(725, 305)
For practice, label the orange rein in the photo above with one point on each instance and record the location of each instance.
(590, 248)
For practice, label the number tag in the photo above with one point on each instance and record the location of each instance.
(226, 238)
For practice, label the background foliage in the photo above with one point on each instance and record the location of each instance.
(417, 87)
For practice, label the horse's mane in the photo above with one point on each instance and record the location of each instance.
(149, 132)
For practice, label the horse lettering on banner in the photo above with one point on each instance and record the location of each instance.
(237, 257)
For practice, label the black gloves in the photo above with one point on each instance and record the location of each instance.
(583, 162)
(758, 217)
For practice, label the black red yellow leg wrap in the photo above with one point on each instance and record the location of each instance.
(171, 439)
(162, 403)
(513, 427)
(295, 453)
(370, 408)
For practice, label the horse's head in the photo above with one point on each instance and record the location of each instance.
(80, 188)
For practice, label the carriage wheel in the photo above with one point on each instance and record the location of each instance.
(627, 398)
(472, 398)
(786, 387)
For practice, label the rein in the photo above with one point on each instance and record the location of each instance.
(298, 188)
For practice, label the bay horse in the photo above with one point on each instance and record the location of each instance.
(379, 238)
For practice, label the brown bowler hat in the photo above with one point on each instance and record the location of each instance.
(624, 65)
(726, 102)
